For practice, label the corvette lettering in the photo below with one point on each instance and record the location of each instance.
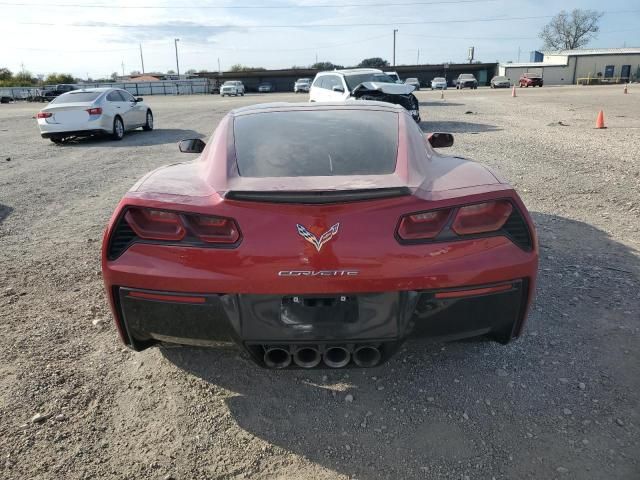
(318, 273)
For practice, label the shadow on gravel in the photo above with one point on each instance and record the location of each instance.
(5, 211)
(449, 410)
(441, 103)
(457, 127)
(158, 136)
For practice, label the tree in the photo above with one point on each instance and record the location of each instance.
(5, 74)
(567, 31)
(24, 78)
(53, 78)
(374, 62)
(114, 76)
(191, 71)
(171, 72)
(243, 68)
(326, 66)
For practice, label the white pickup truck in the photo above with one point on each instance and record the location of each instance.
(232, 87)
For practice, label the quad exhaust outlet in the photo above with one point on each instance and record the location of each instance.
(311, 356)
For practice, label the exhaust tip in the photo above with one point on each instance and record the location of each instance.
(336, 357)
(277, 357)
(367, 356)
(306, 357)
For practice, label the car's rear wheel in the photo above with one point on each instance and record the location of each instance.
(149, 125)
(57, 140)
(118, 129)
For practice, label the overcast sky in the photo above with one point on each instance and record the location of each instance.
(88, 38)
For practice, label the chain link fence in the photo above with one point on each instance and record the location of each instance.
(199, 86)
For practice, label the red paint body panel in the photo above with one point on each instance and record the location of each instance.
(365, 242)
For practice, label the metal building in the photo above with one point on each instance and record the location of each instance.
(582, 66)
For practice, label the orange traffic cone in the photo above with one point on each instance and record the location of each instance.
(513, 91)
(600, 120)
(625, 89)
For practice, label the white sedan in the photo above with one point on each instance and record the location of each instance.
(93, 111)
(439, 83)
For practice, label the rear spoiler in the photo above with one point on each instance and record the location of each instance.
(316, 197)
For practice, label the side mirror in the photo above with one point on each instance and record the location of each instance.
(139, 99)
(337, 88)
(440, 140)
(191, 145)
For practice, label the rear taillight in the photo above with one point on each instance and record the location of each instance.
(163, 225)
(95, 111)
(422, 226)
(155, 224)
(482, 217)
(475, 219)
(214, 229)
(44, 114)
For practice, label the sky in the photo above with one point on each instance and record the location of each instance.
(97, 37)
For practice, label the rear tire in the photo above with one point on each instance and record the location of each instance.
(56, 140)
(149, 125)
(118, 129)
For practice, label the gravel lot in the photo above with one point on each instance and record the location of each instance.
(561, 402)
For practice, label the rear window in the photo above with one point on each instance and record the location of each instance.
(316, 143)
(73, 97)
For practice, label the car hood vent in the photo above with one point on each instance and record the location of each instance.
(318, 197)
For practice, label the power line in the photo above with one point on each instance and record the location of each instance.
(307, 25)
(243, 7)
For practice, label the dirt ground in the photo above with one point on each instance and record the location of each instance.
(561, 402)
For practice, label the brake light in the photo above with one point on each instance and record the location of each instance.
(95, 111)
(482, 217)
(214, 229)
(155, 224)
(419, 226)
(44, 114)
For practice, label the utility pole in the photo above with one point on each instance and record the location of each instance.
(418, 60)
(175, 42)
(123, 68)
(395, 30)
(141, 59)
(518, 54)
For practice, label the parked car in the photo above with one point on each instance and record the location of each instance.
(394, 76)
(363, 84)
(302, 85)
(310, 253)
(93, 111)
(414, 82)
(439, 83)
(500, 81)
(265, 87)
(232, 87)
(49, 93)
(466, 80)
(530, 80)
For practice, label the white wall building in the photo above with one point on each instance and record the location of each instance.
(567, 67)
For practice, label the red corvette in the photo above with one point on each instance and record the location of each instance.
(319, 235)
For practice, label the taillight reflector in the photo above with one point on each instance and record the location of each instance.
(482, 217)
(44, 114)
(168, 298)
(214, 229)
(155, 224)
(95, 111)
(425, 225)
(473, 292)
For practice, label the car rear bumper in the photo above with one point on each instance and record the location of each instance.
(73, 133)
(381, 320)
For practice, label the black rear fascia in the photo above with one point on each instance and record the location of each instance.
(123, 235)
(318, 197)
(515, 228)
